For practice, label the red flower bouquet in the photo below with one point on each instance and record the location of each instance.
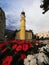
(18, 48)
(25, 47)
(7, 60)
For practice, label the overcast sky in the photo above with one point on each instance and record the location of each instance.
(35, 20)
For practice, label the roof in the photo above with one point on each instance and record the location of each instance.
(25, 30)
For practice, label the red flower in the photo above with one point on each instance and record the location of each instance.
(20, 42)
(23, 56)
(18, 48)
(13, 41)
(1, 45)
(4, 50)
(25, 47)
(30, 45)
(14, 46)
(7, 60)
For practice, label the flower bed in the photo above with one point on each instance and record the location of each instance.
(15, 51)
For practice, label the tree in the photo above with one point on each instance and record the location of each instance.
(45, 6)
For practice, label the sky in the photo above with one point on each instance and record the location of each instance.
(35, 20)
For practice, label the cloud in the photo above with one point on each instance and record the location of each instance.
(12, 22)
(35, 20)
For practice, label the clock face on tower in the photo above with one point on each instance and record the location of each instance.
(22, 16)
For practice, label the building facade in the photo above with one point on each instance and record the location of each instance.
(43, 34)
(23, 34)
(2, 24)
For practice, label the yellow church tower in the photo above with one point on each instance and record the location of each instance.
(22, 26)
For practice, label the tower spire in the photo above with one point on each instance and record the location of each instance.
(22, 26)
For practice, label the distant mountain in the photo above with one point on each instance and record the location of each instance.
(10, 34)
(8, 31)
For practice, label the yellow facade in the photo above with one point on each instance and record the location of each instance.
(28, 35)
